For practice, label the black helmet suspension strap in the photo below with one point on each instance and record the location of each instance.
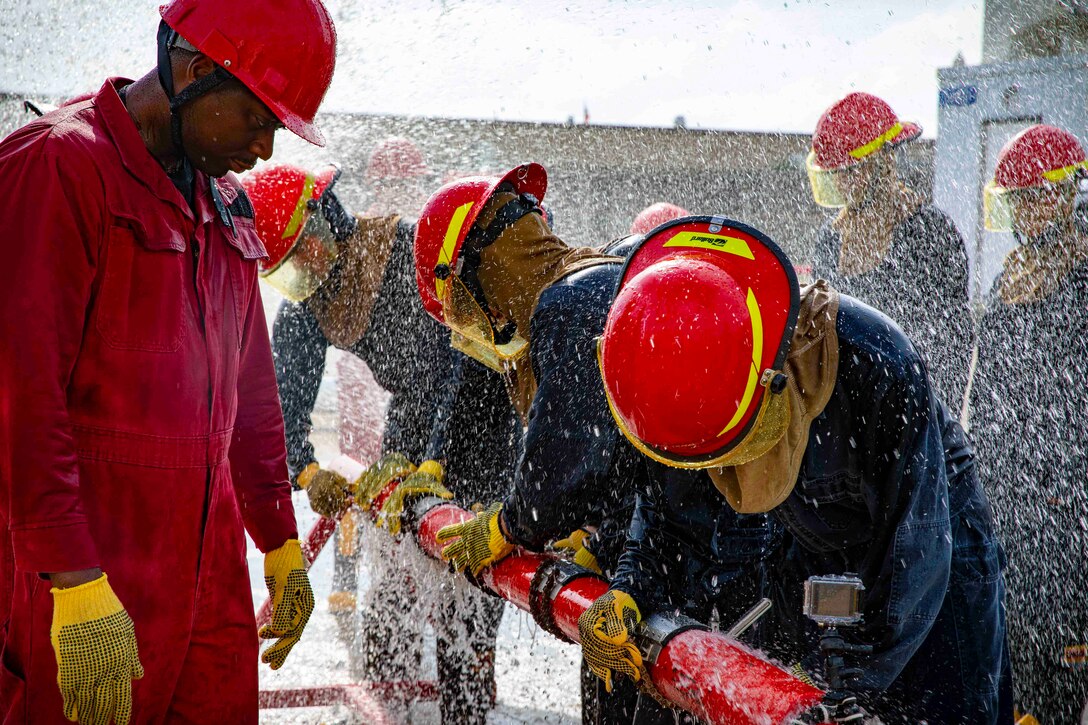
(168, 39)
(479, 238)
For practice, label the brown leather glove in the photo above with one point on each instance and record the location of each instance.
(328, 491)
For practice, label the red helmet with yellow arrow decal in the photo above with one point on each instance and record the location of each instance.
(696, 340)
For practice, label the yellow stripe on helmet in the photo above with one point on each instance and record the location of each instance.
(449, 243)
(862, 151)
(298, 216)
(1057, 176)
(753, 373)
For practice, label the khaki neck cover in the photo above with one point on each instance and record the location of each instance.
(866, 232)
(343, 304)
(515, 269)
(811, 367)
(1033, 272)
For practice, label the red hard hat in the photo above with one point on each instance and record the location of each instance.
(1038, 155)
(696, 338)
(281, 194)
(284, 51)
(856, 127)
(655, 215)
(446, 220)
(395, 158)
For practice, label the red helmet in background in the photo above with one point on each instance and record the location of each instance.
(395, 158)
(695, 341)
(655, 215)
(286, 206)
(1038, 157)
(284, 51)
(849, 133)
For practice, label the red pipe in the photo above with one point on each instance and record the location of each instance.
(706, 673)
(738, 687)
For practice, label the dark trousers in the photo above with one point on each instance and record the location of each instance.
(466, 657)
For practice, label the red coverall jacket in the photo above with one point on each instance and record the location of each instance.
(140, 425)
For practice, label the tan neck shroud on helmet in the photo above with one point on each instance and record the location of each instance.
(342, 305)
(1033, 272)
(867, 231)
(812, 365)
(524, 261)
(515, 269)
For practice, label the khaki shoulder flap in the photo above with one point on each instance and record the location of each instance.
(520, 381)
(342, 306)
(811, 368)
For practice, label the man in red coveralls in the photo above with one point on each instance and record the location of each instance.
(140, 426)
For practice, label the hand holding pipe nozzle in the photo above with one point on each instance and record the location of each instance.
(606, 630)
(616, 639)
(389, 504)
(327, 490)
(575, 543)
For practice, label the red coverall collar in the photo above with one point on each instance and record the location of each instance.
(138, 160)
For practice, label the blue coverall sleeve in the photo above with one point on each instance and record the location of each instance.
(907, 496)
(560, 481)
(640, 571)
(298, 350)
(475, 432)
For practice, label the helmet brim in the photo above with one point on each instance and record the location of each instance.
(910, 132)
(305, 130)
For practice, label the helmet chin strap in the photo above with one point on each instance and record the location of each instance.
(168, 39)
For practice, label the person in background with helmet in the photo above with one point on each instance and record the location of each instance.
(655, 215)
(887, 245)
(349, 283)
(1028, 415)
(815, 408)
(396, 177)
(520, 300)
(395, 180)
(141, 427)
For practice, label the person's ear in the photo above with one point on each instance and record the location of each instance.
(198, 66)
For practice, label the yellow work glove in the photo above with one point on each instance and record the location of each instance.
(576, 543)
(97, 658)
(292, 601)
(480, 541)
(327, 491)
(426, 481)
(585, 559)
(605, 629)
(378, 476)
